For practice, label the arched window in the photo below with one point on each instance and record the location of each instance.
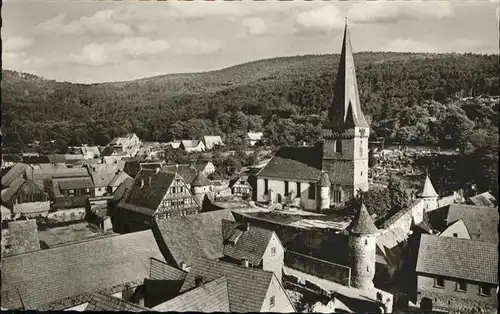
(366, 241)
(338, 146)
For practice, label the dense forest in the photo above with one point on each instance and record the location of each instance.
(409, 98)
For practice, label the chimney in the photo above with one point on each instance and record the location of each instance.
(244, 263)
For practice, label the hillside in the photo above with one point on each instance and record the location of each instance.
(292, 88)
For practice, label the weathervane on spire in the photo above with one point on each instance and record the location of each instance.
(345, 17)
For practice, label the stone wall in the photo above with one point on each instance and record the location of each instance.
(322, 269)
(448, 298)
(66, 215)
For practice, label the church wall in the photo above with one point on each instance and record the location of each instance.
(278, 187)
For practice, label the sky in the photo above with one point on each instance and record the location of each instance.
(89, 41)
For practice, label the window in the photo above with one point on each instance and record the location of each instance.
(298, 189)
(173, 190)
(266, 187)
(361, 173)
(312, 191)
(455, 235)
(182, 189)
(338, 146)
(286, 188)
(361, 148)
(271, 301)
(366, 241)
(461, 286)
(337, 197)
(273, 251)
(485, 290)
(439, 282)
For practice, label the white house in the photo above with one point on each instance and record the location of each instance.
(192, 145)
(211, 141)
(254, 137)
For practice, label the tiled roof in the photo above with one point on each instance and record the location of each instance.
(152, 192)
(212, 140)
(190, 143)
(122, 188)
(458, 258)
(210, 297)
(48, 173)
(200, 180)
(391, 238)
(15, 172)
(247, 287)
(484, 199)
(160, 270)
(362, 223)
(23, 237)
(233, 181)
(13, 188)
(481, 222)
(118, 179)
(193, 235)
(103, 174)
(187, 172)
(74, 183)
(249, 245)
(428, 189)
(299, 163)
(6, 213)
(90, 149)
(102, 302)
(61, 277)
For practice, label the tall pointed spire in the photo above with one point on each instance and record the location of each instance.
(428, 191)
(362, 223)
(346, 92)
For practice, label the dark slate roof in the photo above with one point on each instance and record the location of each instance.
(151, 194)
(122, 188)
(118, 178)
(458, 258)
(102, 302)
(241, 244)
(187, 172)
(362, 223)
(160, 270)
(324, 180)
(23, 237)
(200, 180)
(299, 163)
(247, 287)
(132, 167)
(103, 174)
(210, 297)
(484, 199)
(74, 183)
(13, 173)
(67, 275)
(193, 235)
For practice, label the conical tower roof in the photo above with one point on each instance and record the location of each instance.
(362, 223)
(428, 191)
(324, 180)
(200, 180)
(346, 110)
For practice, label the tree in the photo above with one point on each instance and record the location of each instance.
(399, 199)
(372, 160)
(377, 201)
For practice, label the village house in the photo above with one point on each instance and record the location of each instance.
(174, 144)
(257, 247)
(182, 238)
(334, 170)
(102, 176)
(240, 187)
(484, 199)
(129, 144)
(163, 284)
(45, 280)
(205, 167)
(457, 274)
(90, 152)
(261, 289)
(155, 195)
(253, 138)
(212, 141)
(120, 177)
(71, 192)
(11, 174)
(25, 199)
(97, 213)
(190, 146)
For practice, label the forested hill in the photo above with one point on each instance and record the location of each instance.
(285, 97)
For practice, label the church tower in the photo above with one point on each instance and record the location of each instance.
(429, 195)
(362, 249)
(345, 140)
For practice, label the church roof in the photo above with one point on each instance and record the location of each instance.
(324, 180)
(346, 111)
(428, 190)
(362, 223)
(294, 163)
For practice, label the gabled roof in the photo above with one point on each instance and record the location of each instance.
(160, 270)
(103, 174)
(200, 180)
(16, 171)
(456, 226)
(186, 171)
(13, 188)
(458, 258)
(428, 190)
(74, 183)
(103, 302)
(190, 143)
(90, 149)
(210, 297)
(242, 244)
(346, 110)
(119, 178)
(6, 213)
(122, 188)
(362, 223)
(151, 194)
(233, 181)
(481, 222)
(295, 163)
(64, 276)
(247, 287)
(212, 140)
(484, 199)
(193, 235)
(51, 172)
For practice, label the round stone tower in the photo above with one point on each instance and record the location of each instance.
(362, 246)
(429, 195)
(200, 187)
(324, 197)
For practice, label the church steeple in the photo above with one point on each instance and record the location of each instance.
(346, 110)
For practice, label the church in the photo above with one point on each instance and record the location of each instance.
(331, 172)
